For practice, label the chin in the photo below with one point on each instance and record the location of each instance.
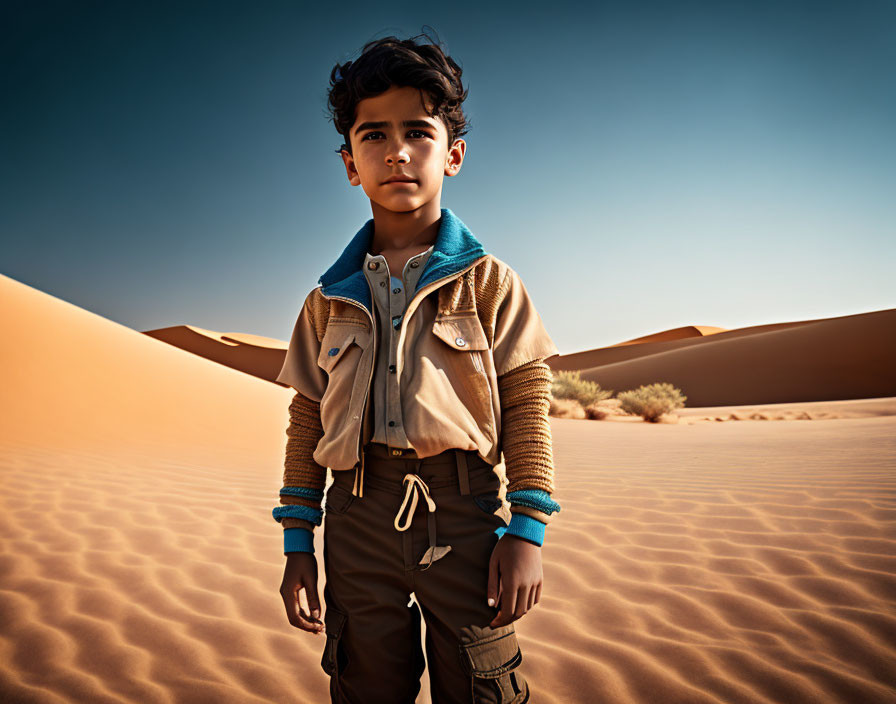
(402, 204)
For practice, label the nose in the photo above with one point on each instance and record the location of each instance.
(397, 154)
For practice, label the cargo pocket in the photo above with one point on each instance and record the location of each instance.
(333, 661)
(491, 661)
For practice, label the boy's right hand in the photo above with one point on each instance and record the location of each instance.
(301, 574)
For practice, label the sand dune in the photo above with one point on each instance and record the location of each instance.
(253, 354)
(685, 332)
(73, 380)
(706, 563)
(848, 357)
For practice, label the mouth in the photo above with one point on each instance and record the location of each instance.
(399, 180)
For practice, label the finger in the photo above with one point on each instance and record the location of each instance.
(293, 607)
(312, 615)
(497, 620)
(493, 582)
(301, 618)
(522, 602)
(511, 600)
(531, 602)
(500, 618)
(508, 604)
(313, 599)
(289, 602)
(538, 593)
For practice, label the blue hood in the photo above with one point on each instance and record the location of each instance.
(455, 249)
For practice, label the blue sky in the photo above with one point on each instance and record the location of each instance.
(641, 165)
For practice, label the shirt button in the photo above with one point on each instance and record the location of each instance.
(460, 341)
(392, 368)
(396, 290)
(391, 422)
(415, 264)
(382, 283)
(333, 351)
(373, 266)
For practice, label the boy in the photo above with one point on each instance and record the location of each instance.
(418, 383)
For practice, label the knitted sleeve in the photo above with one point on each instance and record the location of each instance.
(303, 478)
(526, 443)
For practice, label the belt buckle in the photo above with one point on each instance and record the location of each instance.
(396, 451)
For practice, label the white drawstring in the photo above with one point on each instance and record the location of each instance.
(411, 491)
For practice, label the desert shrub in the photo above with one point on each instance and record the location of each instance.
(595, 412)
(651, 401)
(566, 408)
(571, 385)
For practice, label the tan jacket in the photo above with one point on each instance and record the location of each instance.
(469, 321)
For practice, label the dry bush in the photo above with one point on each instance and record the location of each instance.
(651, 401)
(594, 411)
(571, 385)
(566, 408)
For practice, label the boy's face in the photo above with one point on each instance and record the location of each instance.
(417, 151)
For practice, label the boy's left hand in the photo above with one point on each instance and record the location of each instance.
(514, 578)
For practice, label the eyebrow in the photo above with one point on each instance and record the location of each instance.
(383, 123)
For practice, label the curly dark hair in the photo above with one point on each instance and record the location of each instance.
(392, 61)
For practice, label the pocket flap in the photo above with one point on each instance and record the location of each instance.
(464, 333)
(334, 621)
(495, 654)
(333, 346)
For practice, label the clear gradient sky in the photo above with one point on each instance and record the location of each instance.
(642, 165)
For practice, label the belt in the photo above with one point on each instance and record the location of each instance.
(378, 449)
(415, 485)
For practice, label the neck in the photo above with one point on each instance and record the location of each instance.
(415, 229)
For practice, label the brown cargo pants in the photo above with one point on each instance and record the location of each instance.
(393, 541)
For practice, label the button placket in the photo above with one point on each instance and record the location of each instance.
(391, 298)
(394, 433)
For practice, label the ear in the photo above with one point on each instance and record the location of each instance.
(455, 157)
(350, 171)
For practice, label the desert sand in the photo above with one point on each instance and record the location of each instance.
(692, 562)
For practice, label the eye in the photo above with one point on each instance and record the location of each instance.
(425, 134)
(368, 135)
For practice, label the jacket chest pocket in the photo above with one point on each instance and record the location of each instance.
(337, 344)
(341, 351)
(465, 358)
(467, 338)
(462, 334)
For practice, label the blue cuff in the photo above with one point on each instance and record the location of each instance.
(297, 540)
(538, 499)
(306, 513)
(527, 528)
(303, 491)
